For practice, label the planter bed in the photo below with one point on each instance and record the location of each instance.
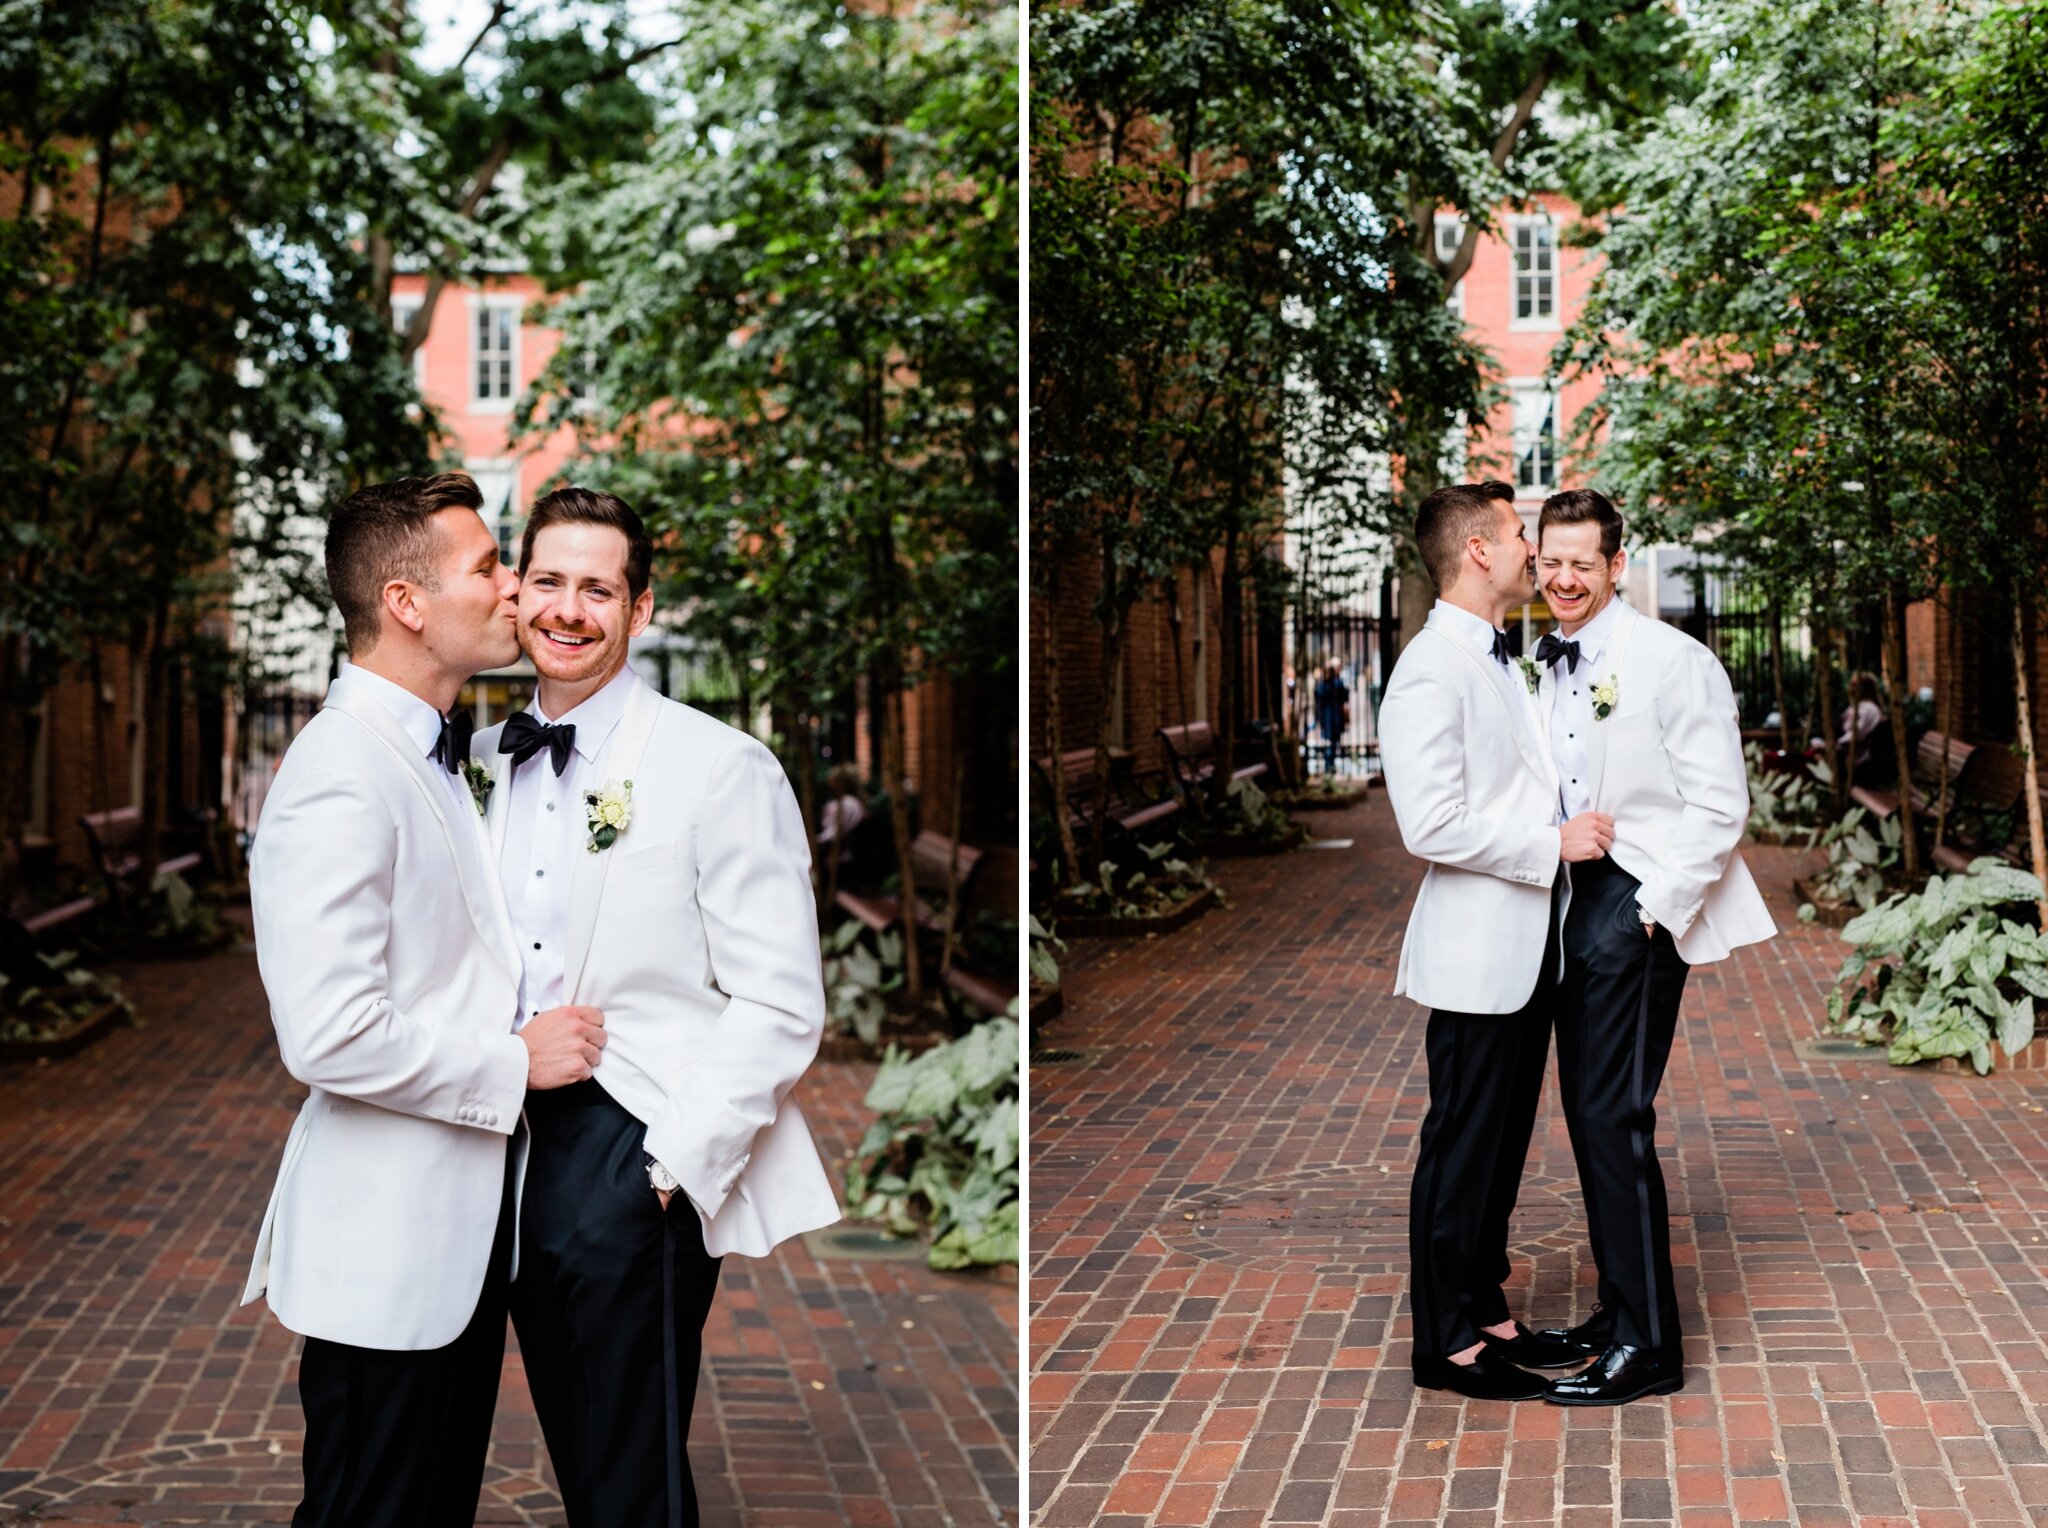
(1086, 926)
(1226, 847)
(2033, 1057)
(1321, 801)
(1826, 914)
(175, 947)
(74, 1036)
(1047, 1001)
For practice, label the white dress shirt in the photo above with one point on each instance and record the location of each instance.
(545, 831)
(422, 723)
(1571, 709)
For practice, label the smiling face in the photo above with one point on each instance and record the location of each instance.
(1576, 579)
(469, 615)
(576, 611)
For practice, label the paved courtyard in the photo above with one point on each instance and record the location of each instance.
(1219, 1330)
(835, 1390)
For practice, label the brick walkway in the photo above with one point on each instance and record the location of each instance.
(1220, 1326)
(132, 1179)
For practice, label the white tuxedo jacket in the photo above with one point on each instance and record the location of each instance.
(696, 935)
(393, 986)
(1667, 765)
(1475, 794)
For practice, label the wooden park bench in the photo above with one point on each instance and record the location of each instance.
(1114, 799)
(1192, 752)
(1937, 755)
(929, 853)
(112, 837)
(987, 993)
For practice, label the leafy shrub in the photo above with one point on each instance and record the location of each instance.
(859, 979)
(1858, 860)
(941, 1156)
(62, 993)
(1787, 807)
(1160, 885)
(1045, 966)
(1942, 972)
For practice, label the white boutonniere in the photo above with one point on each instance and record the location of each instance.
(1606, 692)
(480, 784)
(1531, 674)
(607, 811)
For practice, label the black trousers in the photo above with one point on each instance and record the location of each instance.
(397, 1440)
(1485, 1078)
(1615, 1021)
(609, 1306)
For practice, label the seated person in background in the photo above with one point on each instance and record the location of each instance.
(842, 813)
(1861, 720)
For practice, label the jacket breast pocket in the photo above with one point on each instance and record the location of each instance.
(651, 858)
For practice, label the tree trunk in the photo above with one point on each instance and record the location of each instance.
(1894, 646)
(1823, 705)
(953, 842)
(2023, 702)
(1947, 702)
(1230, 658)
(1055, 740)
(899, 814)
(1778, 676)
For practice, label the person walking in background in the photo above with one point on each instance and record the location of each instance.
(1333, 711)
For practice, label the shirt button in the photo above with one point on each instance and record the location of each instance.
(536, 946)
(551, 806)
(539, 873)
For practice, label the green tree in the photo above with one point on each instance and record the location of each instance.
(1765, 380)
(187, 184)
(803, 309)
(1225, 288)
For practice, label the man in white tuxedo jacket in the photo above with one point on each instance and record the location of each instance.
(1641, 722)
(387, 957)
(657, 869)
(1476, 800)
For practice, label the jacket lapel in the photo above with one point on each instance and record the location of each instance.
(485, 746)
(1516, 717)
(1611, 661)
(622, 762)
(486, 904)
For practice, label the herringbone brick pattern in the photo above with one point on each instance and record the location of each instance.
(1219, 1323)
(132, 1179)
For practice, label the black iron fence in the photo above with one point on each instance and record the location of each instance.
(1757, 641)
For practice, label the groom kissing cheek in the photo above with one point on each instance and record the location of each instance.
(656, 869)
(389, 964)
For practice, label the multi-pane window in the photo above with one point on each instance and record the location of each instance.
(403, 312)
(1450, 232)
(498, 481)
(1535, 246)
(1535, 439)
(497, 351)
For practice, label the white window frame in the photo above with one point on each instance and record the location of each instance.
(496, 306)
(498, 478)
(1535, 405)
(1541, 274)
(1449, 233)
(403, 310)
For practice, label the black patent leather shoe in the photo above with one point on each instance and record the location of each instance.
(1590, 1337)
(1489, 1377)
(1620, 1374)
(1537, 1350)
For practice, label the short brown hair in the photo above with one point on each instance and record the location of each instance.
(1447, 520)
(382, 532)
(587, 506)
(1576, 506)
(1494, 488)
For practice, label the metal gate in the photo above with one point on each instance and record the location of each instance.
(1351, 640)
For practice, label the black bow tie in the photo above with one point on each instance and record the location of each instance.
(452, 746)
(525, 735)
(1500, 647)
(1552, 647)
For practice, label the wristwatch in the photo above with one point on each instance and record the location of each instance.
(661, 1178)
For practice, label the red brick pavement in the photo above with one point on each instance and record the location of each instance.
(1219, 1318)
(132, 1179)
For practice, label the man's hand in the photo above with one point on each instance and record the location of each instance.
(562, 1046)
(1587, 836)
(664, 1195)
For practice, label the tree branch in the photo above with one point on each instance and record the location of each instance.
(498, 13)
